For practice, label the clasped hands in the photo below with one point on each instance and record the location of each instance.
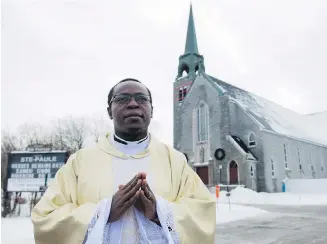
(135, 193)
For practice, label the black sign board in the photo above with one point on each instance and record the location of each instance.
(27, 171)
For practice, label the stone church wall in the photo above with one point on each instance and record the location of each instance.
(304, 160)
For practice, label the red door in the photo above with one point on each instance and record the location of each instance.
(203, 174)
(233, 173)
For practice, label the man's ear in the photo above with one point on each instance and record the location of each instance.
(109, 112)
(151, 111)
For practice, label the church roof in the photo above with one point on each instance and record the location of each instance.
(275, 118)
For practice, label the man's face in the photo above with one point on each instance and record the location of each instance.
(130, 109)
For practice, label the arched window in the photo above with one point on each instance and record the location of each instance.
(299, 159)
(273, 173)
(251, 171)
(252, 142)
(184, 70)
(285, 154)
(180, 94)
(202, 122)
(311, 165)
(184, 91)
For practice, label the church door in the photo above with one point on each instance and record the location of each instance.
(233, 173)
(203, 174)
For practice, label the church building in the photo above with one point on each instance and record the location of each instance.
(233, 137)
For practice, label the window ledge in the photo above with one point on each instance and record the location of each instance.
(201, 142)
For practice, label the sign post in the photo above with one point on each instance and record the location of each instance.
(228, 195)
(44, 188)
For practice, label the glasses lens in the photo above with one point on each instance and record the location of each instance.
(122, 98)
(141, 98)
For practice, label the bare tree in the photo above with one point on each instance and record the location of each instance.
(58, 136)
(70, 133)
(9, 143)
(99, 127)
(30, 134)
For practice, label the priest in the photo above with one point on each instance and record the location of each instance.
(130, 188)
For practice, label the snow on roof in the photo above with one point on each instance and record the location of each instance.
(320, 116)
(220, 88)
(276, 118)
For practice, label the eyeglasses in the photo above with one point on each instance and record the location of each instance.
(125, 98)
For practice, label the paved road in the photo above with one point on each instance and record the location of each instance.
(283, 225)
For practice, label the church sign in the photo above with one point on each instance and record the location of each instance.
(27, 171)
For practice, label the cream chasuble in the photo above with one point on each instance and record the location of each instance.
(76, 206)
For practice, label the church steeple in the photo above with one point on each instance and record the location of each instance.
(191, 45)
(191, 61)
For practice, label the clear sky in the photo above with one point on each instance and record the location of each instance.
(62, 57)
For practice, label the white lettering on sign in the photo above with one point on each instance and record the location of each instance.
(20, 166)
(57, 165)
(43, 171)
(26, 184)
(38, 158)
(24, 171)
(22, 176)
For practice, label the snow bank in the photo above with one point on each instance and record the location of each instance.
(242, 195)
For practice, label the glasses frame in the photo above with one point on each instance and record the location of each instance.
(130, 98)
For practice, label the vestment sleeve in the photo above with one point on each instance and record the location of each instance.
(194, 209)
(57, 217)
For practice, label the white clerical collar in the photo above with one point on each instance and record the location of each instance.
(122, 141)
(130, 147)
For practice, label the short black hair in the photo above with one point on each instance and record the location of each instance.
(111, 92)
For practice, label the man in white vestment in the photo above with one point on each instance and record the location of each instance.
(129, 189)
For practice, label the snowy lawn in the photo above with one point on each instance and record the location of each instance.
(17, 230)
(242, 195)
(20, 230)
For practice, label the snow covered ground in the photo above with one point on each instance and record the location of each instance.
(20, 230)
(17, 230)
(226, 213)
(242, 195)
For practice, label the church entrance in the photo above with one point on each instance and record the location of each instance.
(203, 174)
(233, 173)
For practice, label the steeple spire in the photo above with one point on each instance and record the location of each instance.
(191, 61)
(191, 45)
